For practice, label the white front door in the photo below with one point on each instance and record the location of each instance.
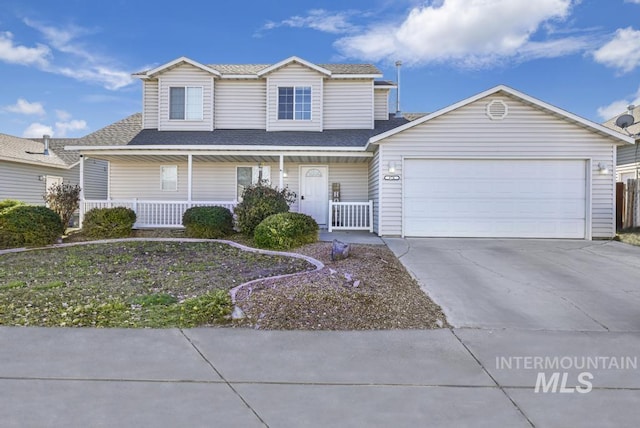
(314, 192)
(51, 180)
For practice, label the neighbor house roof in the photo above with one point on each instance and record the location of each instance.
(518, 95)
(24, 150)
(633, 130)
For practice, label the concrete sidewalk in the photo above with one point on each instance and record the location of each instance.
(234, 377)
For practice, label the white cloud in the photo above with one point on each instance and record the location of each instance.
(632, 1)
(23, 55)
(618, 107)
(23, 106)
(472, 33)
(37, 130)
(63, 115)
(62, 128)
(622, 52)
(88, 66)
(318, 19)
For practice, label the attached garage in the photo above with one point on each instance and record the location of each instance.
(495, 198)
(500, 164)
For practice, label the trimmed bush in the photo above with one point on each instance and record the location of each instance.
(32, 226)
(9, 203)
(286, 230)
(105, 223)
(207, 222)
(259, 202)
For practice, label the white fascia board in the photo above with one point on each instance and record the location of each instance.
(240, 76)
(177, 61)
(289, 61)
(385, 87)
(356, 76)
(30, 162)
(502, 88)
(192, 149)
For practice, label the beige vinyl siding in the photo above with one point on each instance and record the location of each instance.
(374, 188)
(186, 75)
(240, 104)
(381, 104)
(20, 181)
(95, 178)
(527, 132)
(131, 180)
(628, 154)
(294, 75)
(150, 104)
(353, 179)
(348, 104)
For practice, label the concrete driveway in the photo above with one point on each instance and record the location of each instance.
(528, 284)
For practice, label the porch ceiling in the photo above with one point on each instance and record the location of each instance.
(235, 158)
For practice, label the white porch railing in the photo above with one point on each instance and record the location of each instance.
(350, 216)
(154, 213)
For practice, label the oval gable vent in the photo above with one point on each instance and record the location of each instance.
(497, 110)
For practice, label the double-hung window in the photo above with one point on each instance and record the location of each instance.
(185, 103)
(169, 178)
(294, 103)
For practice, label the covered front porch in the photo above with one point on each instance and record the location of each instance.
(159, 186)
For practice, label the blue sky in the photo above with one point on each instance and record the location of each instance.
(65, 64)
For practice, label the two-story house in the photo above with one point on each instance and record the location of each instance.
(498, 164)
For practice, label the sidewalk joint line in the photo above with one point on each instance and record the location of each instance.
(235, 391)
(492, 378)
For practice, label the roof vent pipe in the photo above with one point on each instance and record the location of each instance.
(398, 111)
(45, 138)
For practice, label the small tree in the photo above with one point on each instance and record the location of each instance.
(64, 199)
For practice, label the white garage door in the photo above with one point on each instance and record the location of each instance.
(495, 198)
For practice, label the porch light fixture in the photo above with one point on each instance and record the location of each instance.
(41, 177)
(285, 174)
(392, 167)
(603, 168)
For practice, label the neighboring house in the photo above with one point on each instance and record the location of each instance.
(498, 164)
(628, 157)
(28, 168)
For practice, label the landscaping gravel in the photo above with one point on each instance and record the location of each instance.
(369, 290)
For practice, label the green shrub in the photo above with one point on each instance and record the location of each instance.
(23, 225)
(9, 203)
(286, 230)
(259, 202)
(207, 222)
(104, 223)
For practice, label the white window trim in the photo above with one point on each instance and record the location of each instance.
(161, 178)
(185, 104)
(294, 103)
(253, 168)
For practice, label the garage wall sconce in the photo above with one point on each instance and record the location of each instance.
(392, 167)
(41, 177)
(602, 168)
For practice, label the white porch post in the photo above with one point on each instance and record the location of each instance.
(281, 184)
(189, 177)
(81, 184)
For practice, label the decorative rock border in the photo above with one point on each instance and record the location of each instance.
(232, 292)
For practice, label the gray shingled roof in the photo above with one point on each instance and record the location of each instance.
(355, 138)
(333, 68)
(24, 150)
(116, 134)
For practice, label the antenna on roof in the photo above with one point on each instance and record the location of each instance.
(398, 111)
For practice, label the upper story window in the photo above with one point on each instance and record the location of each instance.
(185, 103)
(294, 103)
